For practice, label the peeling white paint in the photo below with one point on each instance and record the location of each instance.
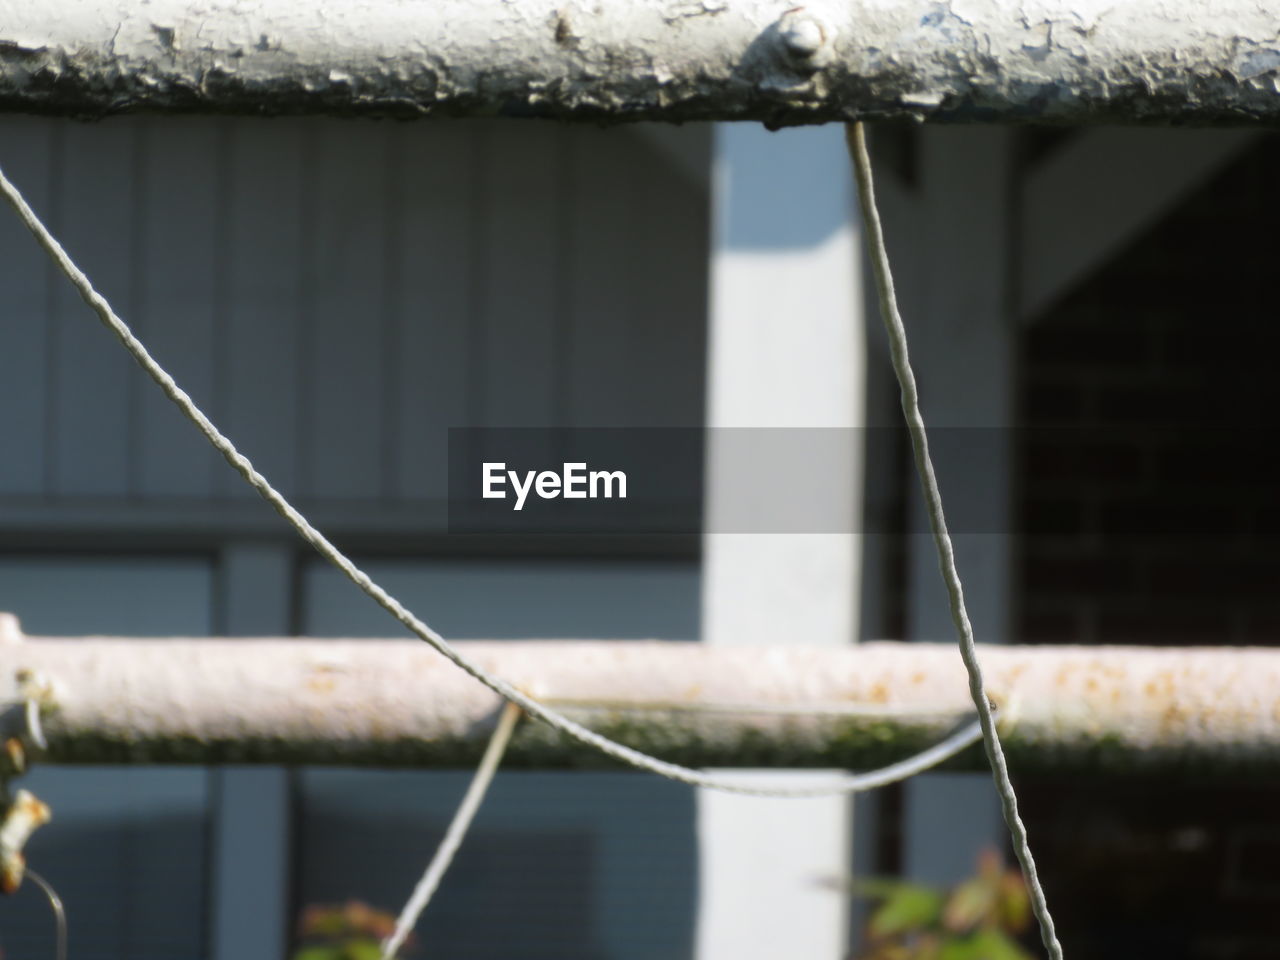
(371, 700)
(1058, 60)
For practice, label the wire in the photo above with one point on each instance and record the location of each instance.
(857, 140)
(453, 837)
(59, 914)
(849, 783)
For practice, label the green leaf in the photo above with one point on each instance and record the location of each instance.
(319, 953)
(322, 921)
(362, 950)
(907, 907)
(983, 945)
(928, 947)
(956, 949)
(1015, 903)
(971, 904)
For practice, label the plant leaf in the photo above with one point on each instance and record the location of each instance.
(319, 953)
(986, 944)
(1014, 906)
(909, 907)
(990, 865)
(889, 950)
(971, 903)
(361, 950)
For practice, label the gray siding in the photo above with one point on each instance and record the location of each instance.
(558, 866)
(337, 294)
(24, 384)
(126, 847)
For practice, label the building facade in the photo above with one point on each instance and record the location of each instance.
(337, 294)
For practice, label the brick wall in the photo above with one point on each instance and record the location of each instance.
(1146, 515)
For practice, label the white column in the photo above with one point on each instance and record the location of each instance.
(252, 805)
(962, 347)
(786, 350)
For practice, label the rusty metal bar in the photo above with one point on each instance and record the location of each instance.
(397, 703)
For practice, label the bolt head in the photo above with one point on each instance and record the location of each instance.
(801, 34)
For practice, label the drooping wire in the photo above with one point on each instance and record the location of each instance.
(857, 140)
(59, 913)
(847, 783)
(453, 836)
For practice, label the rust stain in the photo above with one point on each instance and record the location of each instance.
(321, 684)
(16, 756)
(1170, 720)
(322, 678)
(24, 815)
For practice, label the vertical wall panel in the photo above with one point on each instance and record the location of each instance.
(26, 277)
(176, 298)
(605, 387)
(436, 274)
(95, 213)
(346, 251)
(636, 351)
(670, 302)
(339, 294)
(521, 208)
(258, 342)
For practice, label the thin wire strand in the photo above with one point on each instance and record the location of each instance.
(848, 783)
(453, 837)
(857, 140)
(59, 914)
